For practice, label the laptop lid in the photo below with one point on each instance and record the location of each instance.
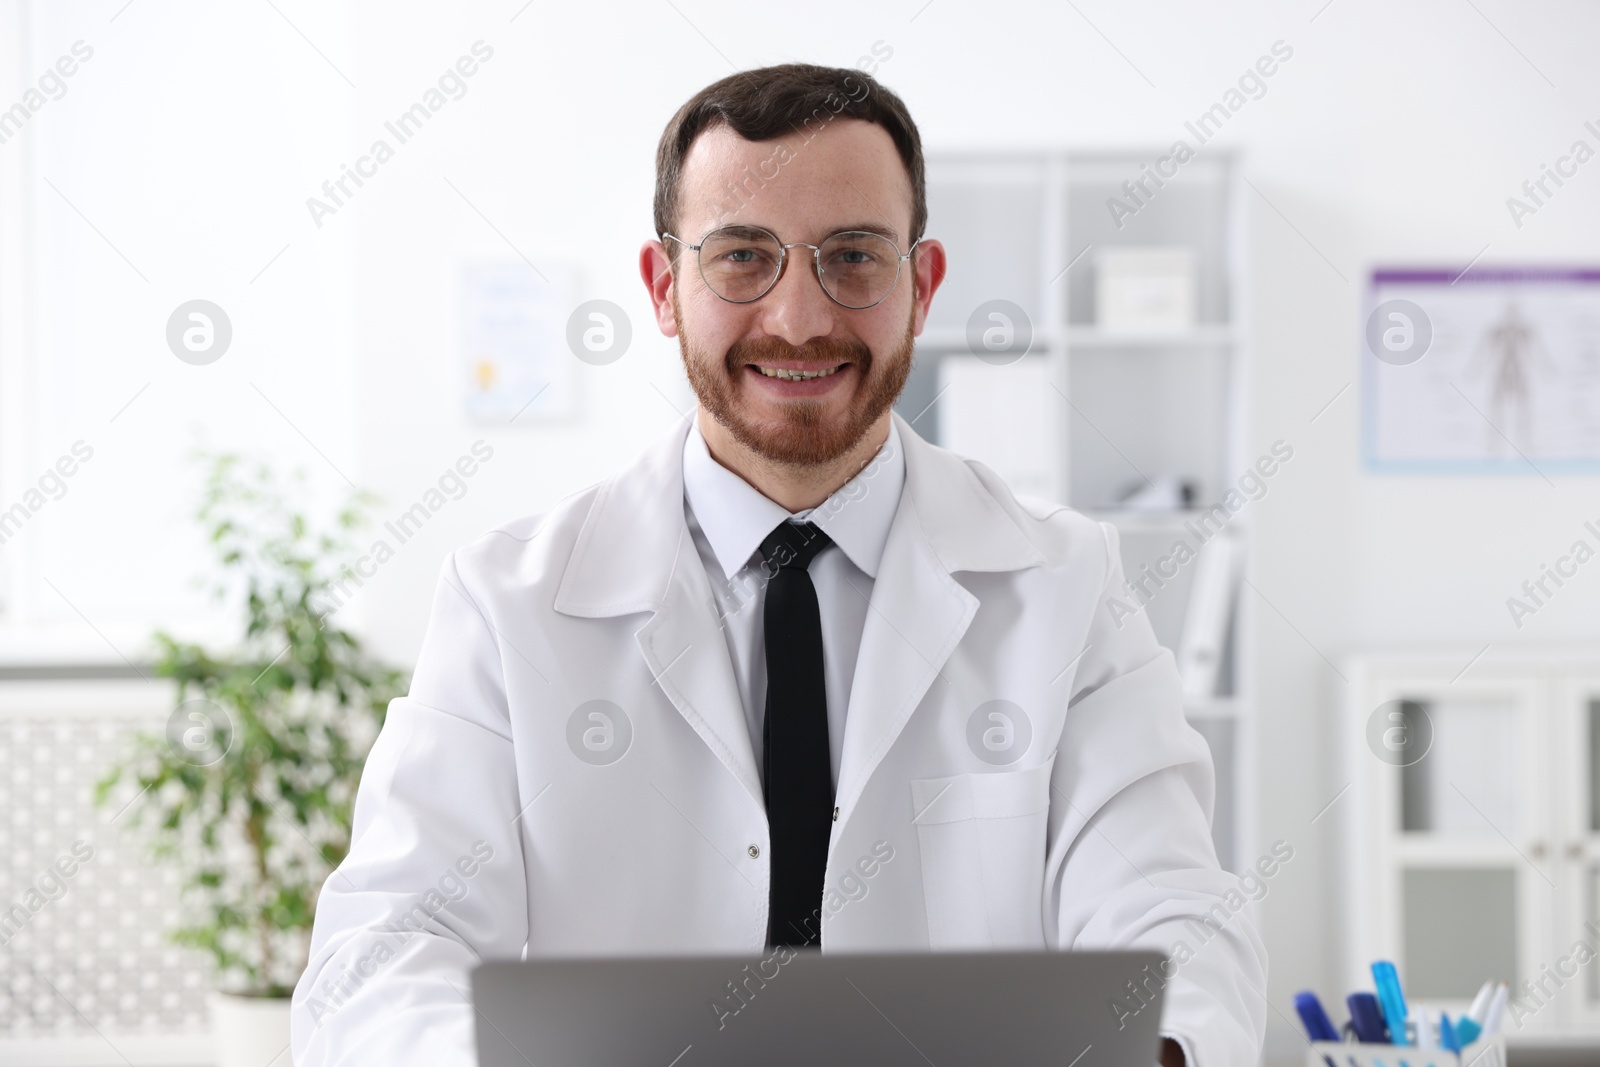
(1066, 1009)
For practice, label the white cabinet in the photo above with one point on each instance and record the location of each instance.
(1472, 831)
(1577, 811)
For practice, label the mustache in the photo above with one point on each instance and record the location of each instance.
(819, 350)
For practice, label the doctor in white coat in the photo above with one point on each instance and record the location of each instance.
(583, 761)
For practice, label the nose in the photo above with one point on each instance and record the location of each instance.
(796, 309)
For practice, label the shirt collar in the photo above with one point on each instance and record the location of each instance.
(736, 517)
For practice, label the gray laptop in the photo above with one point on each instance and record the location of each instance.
(1066, 1009)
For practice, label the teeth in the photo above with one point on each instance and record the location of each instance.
(795, 375)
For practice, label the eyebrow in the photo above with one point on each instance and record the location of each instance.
(858, 227)
(873, 227)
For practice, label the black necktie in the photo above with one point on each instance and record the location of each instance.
(799, 777)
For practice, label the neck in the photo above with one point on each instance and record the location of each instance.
(791, 488)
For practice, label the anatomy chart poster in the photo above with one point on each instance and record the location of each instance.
(1482, 370)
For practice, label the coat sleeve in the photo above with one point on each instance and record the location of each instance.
(1131, 862)
(434, 881)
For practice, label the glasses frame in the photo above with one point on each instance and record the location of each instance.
(783, 260)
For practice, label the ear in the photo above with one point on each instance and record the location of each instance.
(655, 267)
(928, 270)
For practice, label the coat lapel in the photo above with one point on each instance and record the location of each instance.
(634, 554)
(915, 617)
(687, 653)
(948, 520)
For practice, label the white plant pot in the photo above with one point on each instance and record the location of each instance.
(250, 1031)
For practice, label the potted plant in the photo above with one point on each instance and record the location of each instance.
(252, 787)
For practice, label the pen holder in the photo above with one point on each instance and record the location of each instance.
(1487, 1052)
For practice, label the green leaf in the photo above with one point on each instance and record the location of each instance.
(305, 700)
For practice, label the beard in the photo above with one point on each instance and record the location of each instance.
(805, 435)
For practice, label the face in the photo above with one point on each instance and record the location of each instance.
(847, 176)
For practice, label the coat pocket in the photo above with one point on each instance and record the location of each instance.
(983, 839)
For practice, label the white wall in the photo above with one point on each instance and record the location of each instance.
(1393, 135)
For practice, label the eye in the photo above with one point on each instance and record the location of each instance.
(741, 256)
(857, 252)
(854, 262)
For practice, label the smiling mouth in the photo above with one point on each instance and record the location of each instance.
(796, 374)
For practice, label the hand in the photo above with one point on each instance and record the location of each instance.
(1172, 1053)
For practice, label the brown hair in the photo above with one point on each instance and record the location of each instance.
(761, 105)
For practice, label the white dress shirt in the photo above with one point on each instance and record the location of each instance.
(729, 518)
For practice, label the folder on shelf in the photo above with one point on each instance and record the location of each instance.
(1205, 622)
(1003, 416)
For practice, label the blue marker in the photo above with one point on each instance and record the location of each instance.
(1470, 1025)
(1392, 1000)
(1447, 1034)
(1366, 1019)
(1318, 1026)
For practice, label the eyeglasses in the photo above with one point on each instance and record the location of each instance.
(742, 263)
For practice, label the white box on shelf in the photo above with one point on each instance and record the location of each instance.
(1146, 289)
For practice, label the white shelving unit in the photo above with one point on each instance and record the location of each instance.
(1084, 412)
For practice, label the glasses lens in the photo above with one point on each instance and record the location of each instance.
(740, 263)
(859, 269)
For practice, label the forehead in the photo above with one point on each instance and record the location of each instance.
(802, 186)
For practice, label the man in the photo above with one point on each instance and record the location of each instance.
(795, 676)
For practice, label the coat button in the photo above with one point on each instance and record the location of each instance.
(835, 814)
(755, 852)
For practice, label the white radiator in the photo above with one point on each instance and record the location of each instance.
(87, 974)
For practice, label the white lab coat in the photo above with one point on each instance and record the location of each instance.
(490, 819)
